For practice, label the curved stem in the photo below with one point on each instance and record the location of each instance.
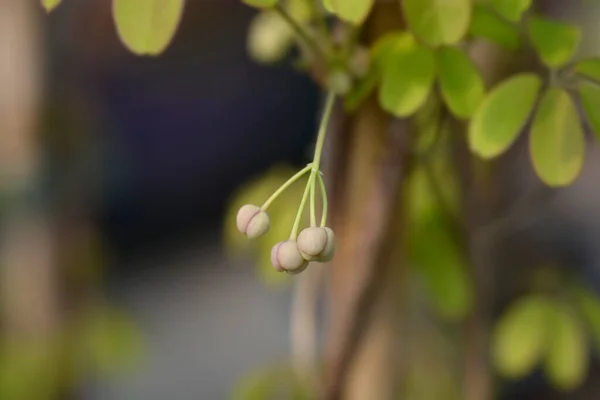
(310, 42)
(324, 198)
(286, 185)
(294, 233)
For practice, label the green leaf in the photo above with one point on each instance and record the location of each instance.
(590, 100)
(503, 114)
(555, 42)
(590, 68)
(261, 3)
(442, 267)
(438, 22)
(408, 76)
(589, 307)
(328, 4)
(353, 11)
(512, 10)
(50, 5)
(520, 336)
(566, 360)
(147, 27)
(487, 25)
(461, 84)
(556, 141)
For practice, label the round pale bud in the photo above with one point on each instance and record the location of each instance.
(252, 221)
(360, 62)
(317, 244)
(339, 82)
(286, 256)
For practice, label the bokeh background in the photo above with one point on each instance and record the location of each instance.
(117, 176)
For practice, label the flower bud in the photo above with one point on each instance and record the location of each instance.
(286, 256)
(317, 244)
(252, 221)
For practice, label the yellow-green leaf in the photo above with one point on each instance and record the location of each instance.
(503, 114)
(589, 306)
(147, 27)
(461, 84)
(261, 3)
(512, 10)
(438, 22)
(555, 42)
(590, 68)
(556, 140)
(566, 360)
(353, 11)
(590, 100)
(520, 336)
(50, 5)
(328, 4)
(408, 76)
(487, 25)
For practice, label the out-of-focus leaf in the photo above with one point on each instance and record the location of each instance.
(328, 4)
(512, 10)
(521, 336)
(50, 5)
(590, 100)
(590, 68)
(438, 22)
(353, 11)
(487, 25)
(462, 86)
(566, 360)
(269, 38)
(274, 383)
(261, 3)
(589, 306)
(503, 114)
(555, 42)
(408, 76)
(147, 27)
(556, 141)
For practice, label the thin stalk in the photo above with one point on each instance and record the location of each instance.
(294, 233)
(323, 130)
(324, 197)
(286, 185)
(313, 216)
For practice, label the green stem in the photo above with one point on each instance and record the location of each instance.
(310, 42)
(313, 214)
(323, 130)
(286, 185)
(294, 233)
(324, 197)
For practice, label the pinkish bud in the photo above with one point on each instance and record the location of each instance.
(252, 221)
(317, 244)
(285, 256)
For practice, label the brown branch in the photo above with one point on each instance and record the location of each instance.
(370, 263)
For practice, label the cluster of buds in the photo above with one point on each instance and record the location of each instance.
(314, 243)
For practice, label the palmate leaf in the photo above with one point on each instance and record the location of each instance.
(520, 337)
(408, 73)
(589, 68)
(503, 114)
(486, 24)
(147, 27)
(590, 100)
(50, 5)
(461, 84)
(438, 22)
(555, 42)
(566, 360)
(512, 10)
(353, 11)
(556, 139)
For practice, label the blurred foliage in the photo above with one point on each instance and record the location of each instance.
(275, 383)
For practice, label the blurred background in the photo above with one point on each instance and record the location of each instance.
(116, 176)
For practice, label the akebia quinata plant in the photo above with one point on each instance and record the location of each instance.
(415, 65)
